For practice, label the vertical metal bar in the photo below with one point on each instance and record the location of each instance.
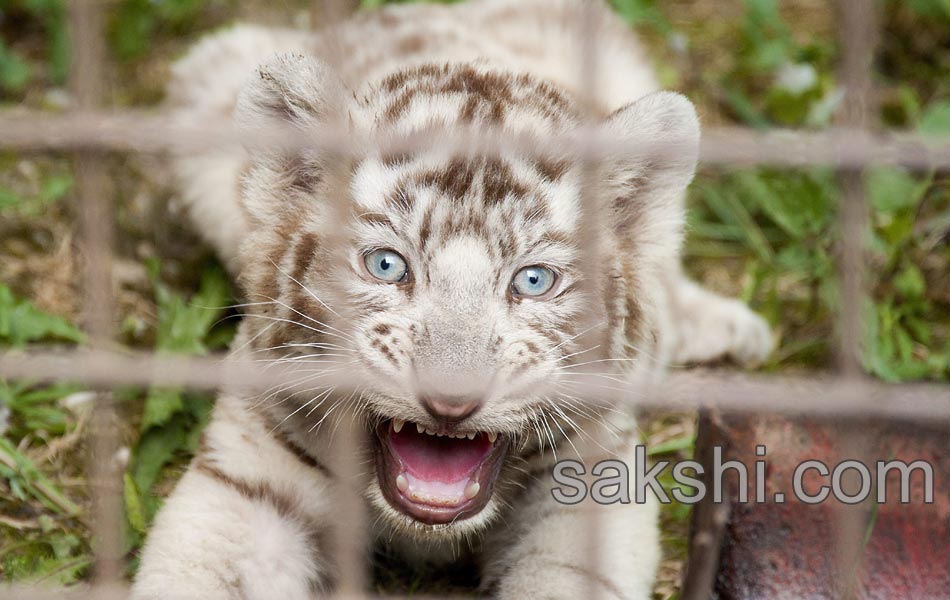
(858, 42)
(589, 235)
(709, 519)
(858, 35)
(349, 534)
(326, 17)
(87, 82)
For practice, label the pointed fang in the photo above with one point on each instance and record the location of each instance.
(471, 490)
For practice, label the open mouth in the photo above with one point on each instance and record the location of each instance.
(437, 476)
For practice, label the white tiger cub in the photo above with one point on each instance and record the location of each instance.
(463, 288)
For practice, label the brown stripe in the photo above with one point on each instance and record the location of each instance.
(303, 177)
(261, 491)
(302, 455)
(498, 182)
(535, 453)
(454, 180)
(376, 219)
(304, 254)
(400, 105)
(394, 158)
(550, 509)
(264, 493)
(605, 583)
(538, 471)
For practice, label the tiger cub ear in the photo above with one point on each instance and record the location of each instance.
(293, 89)
(645, 186)
(295, 92)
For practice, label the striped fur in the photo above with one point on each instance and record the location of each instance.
(249, 519)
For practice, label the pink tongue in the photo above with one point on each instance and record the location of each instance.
(433, 458)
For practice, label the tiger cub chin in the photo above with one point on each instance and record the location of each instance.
(455, 292)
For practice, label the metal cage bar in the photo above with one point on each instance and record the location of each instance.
(90, 131)
(858, 40)
(92, 196)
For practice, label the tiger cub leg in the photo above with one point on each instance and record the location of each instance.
(705, 327)
(248, 520)
(544, 549)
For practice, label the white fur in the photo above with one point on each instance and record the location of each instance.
(217, 540)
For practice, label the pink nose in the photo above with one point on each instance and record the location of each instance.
(452, 408)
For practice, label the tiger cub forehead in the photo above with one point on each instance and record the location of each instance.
(469, 93)
(521, 207)
(509, 202)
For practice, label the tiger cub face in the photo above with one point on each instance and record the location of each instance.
(453, 288)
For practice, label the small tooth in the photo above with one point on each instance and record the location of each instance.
(402, 484)
(397, 425)
(471, 490)
(440, 434)
(471, 436)
(492, 436)
(430, 432)
(419, 428)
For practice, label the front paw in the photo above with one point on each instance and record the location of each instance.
(752, 339)
(718, 328)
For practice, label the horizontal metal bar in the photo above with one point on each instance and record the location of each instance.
(134, 131)
(79, 592)
(729, 391)
(843, 148)
(121, 592)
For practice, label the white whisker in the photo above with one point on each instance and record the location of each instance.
(600, 360)
(300, 408)
(574, 337)
(250, 341)
(318, 345)
(571, 424)
(301, 357)
(567, 356)
(298, 323)
(305, 288)
(322, 396)
(308, 317)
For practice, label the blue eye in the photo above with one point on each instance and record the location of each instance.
(533, 281)
(386, 265)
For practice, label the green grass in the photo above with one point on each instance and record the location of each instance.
(42, 535)
(54, 547)
(767, 235)
(172, 419)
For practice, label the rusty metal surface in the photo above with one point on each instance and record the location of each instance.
(774, 551)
